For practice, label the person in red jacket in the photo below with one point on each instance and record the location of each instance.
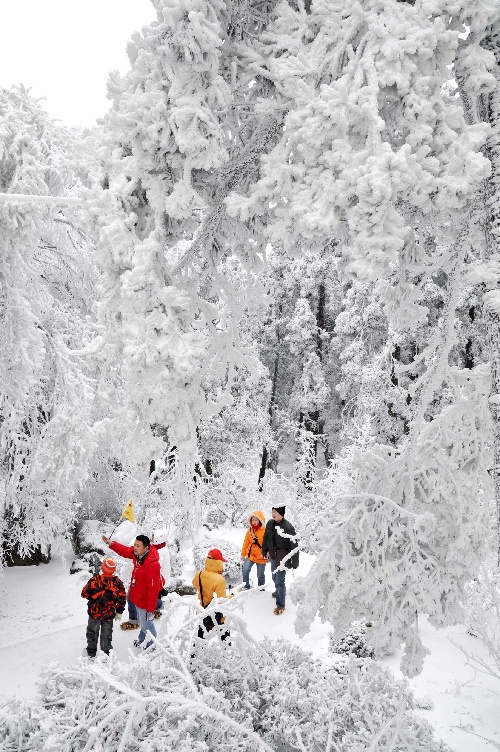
(133, 619)
(106, 596)
(145, 583)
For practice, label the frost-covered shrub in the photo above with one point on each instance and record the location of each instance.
(354, 641)
(101, 497)
(88, 537)
(482, 612)
(177, 563)
(205, 695)
(232, 553)
(228, 497)
(89, 562)
(384, 556)
(214, 516)
(181, 588)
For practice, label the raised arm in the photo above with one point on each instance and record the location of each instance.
(126, 551)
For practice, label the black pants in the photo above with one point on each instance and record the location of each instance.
(208, 623)
(93, 628)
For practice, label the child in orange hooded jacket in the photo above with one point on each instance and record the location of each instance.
(251, 551)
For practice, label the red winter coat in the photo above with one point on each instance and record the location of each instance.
(145, 583)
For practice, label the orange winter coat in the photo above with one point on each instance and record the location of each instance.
(252, 545)
(211, 580)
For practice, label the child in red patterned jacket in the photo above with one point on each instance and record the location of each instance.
(106, 596)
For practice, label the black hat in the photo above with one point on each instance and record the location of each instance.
(280, 510)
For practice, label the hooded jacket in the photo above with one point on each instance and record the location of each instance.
(145, 583)
(106, 597)
(252, 544)
(209, 581)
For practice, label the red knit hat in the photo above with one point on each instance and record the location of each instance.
(214, 553)
(108, 566)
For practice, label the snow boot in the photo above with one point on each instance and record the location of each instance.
(129, 625)
(137, 644)
(278, 610)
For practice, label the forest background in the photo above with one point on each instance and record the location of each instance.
(270, 272)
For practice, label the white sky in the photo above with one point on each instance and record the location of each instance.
(65, 49)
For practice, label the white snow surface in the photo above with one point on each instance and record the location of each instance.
(44, 619)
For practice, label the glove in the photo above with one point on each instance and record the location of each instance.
(118, 617)
(150, 615)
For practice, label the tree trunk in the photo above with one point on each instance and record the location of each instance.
(311, 422)
(264, 465)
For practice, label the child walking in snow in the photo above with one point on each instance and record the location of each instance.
(106, 596)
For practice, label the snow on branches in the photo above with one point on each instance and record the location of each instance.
(372, 141)
(46, 295)
(192, 694)
(385, 560)
(170, 311)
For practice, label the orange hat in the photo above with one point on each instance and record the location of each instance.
(214, 553)
(108, 566)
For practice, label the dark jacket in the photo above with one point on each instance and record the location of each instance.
(106, 597)
(279, 546)
(145, 583)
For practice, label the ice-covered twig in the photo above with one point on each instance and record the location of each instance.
(21, 198)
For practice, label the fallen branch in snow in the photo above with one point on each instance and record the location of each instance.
(468, 731)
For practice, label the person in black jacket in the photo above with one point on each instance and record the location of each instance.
(280, 539)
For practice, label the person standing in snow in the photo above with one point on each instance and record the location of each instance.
(251, 551)
(133, 618)
(280, 539)
(106, 596)
(210, 582)
(145, 583)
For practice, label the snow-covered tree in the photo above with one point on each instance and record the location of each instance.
(46, 296)
(179, 140)
(386, 562)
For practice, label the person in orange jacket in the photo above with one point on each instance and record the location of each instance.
(251, 551)
(210, 582)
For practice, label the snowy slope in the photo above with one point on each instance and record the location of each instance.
(44, 620)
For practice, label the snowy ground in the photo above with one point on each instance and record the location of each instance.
(44, 618)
